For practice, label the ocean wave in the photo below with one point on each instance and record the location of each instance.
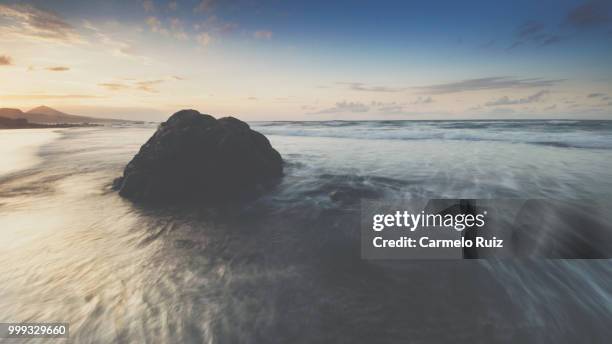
(557, 133)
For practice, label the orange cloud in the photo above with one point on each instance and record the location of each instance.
(58, 69)
(113, 86)
(5, 60)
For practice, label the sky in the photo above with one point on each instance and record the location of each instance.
(309, 60)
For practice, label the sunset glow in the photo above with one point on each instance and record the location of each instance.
(313, 61)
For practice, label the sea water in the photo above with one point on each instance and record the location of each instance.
(287, 267)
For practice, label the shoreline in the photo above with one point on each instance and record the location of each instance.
(22, 123)
(20, 153)
(54, 126)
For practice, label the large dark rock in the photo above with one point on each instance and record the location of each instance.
(193, 156)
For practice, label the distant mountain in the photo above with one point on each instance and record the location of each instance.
(47, 115)
(11, 113)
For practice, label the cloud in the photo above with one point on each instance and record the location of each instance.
(590, 14)
(58, 69)
(148, 6)
(503, 111)
(263, 34)
(173, 5)
(344, 107)
(359, 86)
(113, 86)
(141, 85)
(551, 39)
(148, 85)
(5, 60)
(204, 6)
(28, 22)
(420, 101)
(155, 25)
(283, 99)
(173, 29)
(309, 107)
(204, 39)
(216, 25)
(490, 83)
(552, 107)
(391, 109)
(176, 26)
(47, 96)
(530, 28)
(115, 46)
(596, 95)
(534, 32)
(395, 108)
(507, 101)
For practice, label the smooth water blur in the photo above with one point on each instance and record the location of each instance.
(18, 148)
(560, 133)
(287, 267)
(458, 159)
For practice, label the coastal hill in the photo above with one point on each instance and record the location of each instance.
(47, 115)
